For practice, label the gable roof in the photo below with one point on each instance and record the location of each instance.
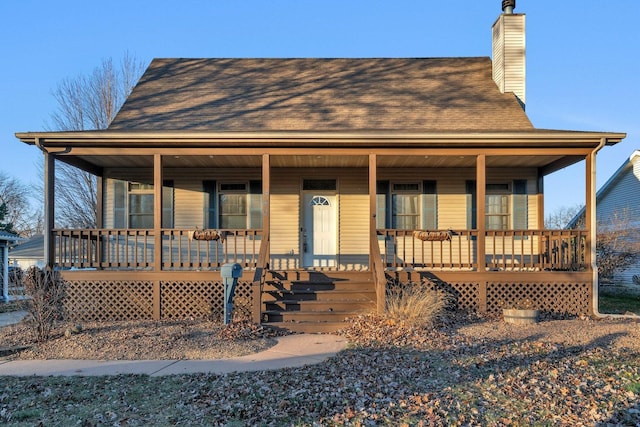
(5, 236)
(409, 94)
(607, 187)
(31, 248)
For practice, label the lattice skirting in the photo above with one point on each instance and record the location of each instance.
(565, 298)
(181, 300)
(104, 300)
(553, 297)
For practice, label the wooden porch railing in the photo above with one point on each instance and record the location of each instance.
(133, 249)
(505, 250)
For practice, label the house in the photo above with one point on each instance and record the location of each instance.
(29, 253)
(6, 240)
(618, 204)
(326, 180)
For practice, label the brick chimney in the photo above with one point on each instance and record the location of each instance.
(509, 65)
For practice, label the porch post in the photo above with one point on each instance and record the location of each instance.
(481, 186)
(157, 212)
(373, 179)
(99, 202)
(99, 219)
(263, 256)
(540, 201)
(49, 209)
(266, 200)
(590, 210)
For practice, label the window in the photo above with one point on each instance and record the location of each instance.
(497, 212)
(407, 206)
(505, 205)
(319, 185)
(133, 204)
(140, 205)
(239, 205)
(233, 205)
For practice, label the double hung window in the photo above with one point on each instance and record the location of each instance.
(406, 205)
(133, 204)
(232, 205)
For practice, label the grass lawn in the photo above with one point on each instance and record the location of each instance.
(619, 303)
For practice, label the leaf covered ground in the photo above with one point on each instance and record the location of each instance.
(472, 372)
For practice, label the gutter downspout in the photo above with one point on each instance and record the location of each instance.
(593, 237)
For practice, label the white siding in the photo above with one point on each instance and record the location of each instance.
(509, 58)
(622, 203)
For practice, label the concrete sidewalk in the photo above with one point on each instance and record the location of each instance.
(12, 317)
(290, 351)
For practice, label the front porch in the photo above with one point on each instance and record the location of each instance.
(132, 274)
(463, 212)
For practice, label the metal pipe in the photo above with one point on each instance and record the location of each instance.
(508, 6)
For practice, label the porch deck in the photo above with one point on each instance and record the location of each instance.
(113, 273)
(441, 250)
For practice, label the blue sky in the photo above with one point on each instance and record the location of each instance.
(583, 57)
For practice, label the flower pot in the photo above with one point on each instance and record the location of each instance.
(519, 316)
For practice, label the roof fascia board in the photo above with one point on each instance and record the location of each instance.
(168, 138)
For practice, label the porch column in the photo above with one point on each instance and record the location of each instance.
(481, 186)
(157, 211)
(373, 179)
(49, 209)
(4, 248)
(99, 201)
(266, 200)
(590, 215)
(540, 198)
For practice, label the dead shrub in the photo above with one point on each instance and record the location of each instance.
(415, 304)
(44, 290)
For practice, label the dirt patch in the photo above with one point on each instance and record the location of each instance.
(466, 372)
(139, 340)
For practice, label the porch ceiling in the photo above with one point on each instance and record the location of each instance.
(320, 161)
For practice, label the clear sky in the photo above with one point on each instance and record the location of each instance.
(583, 57)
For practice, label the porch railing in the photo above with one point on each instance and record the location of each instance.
(507, 250)
(133, 249)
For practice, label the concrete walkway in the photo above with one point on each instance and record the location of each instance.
(290, 351)
(12, 317)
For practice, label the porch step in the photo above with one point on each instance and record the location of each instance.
(355, 295)
(307, 327)
(304, 301)
(318, 306)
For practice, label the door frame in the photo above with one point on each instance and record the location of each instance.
(303, 217)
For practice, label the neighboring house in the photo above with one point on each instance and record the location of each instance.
(6, 241)
(326, 179)
(618, 203)
(29, 253)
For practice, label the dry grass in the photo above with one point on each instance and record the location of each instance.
(415, 304)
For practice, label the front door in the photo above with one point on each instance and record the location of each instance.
(319, 230)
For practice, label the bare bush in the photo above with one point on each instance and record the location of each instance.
(45, 291)
(617, 245)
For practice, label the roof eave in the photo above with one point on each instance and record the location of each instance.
(534, 137)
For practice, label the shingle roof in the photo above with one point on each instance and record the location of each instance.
(5, 236)
(32, 248)
(412, 94)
